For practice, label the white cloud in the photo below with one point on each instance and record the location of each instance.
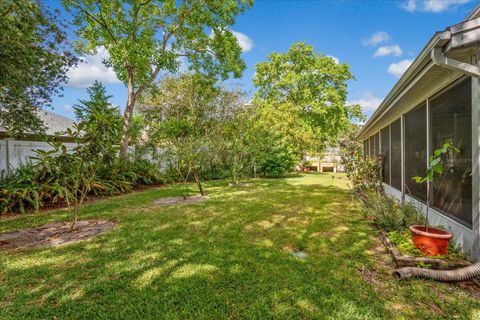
(68, 108)
(394, 50)
(376, 38)
(397, 69)
(434, 6)
(91, 68)
(410, 5)
(245, 42)
(337, 61)
(368, 102)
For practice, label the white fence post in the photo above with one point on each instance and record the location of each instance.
(8, 153)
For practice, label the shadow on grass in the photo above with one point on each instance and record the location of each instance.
(224, 258)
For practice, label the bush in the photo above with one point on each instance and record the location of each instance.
(17, 190)
(364, 175)
(277, 159)
(389, 215)
(39, 185)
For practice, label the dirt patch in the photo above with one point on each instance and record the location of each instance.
(179, 200)
(53, 234)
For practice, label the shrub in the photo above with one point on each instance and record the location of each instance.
(276, 159)
(17, 190)
(389, 215)
(364, 175)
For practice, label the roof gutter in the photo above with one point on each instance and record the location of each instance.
(399, 88)
(461, 35)
(439, 58)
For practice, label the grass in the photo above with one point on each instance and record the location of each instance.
(226, 258)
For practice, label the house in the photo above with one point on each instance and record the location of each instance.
(329, 161)
(16, 151)
(437, 99)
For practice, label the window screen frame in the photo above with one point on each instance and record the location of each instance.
(385, 152)
(408, 182)
(393, 126)
(431, 101)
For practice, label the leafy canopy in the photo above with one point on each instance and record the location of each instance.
(182, 120)
(34, 59)
(304, 94)
(150, 36)
(146, 39)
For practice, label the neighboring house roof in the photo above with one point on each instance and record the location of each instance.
(440, 60)
(55, 124)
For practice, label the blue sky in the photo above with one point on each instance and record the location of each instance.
(378, 39)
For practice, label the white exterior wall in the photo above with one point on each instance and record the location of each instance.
(462, 235)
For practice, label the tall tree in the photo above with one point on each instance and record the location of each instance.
(303, 94)
(34, 59)
(145, 38)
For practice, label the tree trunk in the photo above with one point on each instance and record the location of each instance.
(199, 183)
(127, 116)
(73, 222)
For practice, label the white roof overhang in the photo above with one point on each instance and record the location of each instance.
(428, 73)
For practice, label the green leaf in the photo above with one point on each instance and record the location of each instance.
(435, 162)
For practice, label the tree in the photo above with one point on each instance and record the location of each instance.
(182, 121)
(34, 59)
(303, 95)
(145, 38)
(75, 172)
(233, 133)
(102, 121)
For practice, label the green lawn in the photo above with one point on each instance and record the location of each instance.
(228, 257)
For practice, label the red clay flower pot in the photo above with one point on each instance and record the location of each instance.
(433, 242)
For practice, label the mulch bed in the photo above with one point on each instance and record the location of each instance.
(401, 260)
(53, 234)
(179, 200)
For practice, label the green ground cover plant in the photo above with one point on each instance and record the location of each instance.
(403, 241)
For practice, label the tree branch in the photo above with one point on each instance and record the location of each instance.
(105, 25)
(92, 16)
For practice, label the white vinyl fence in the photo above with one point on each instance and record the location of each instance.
(14, 153)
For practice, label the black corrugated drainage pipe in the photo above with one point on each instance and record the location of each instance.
(462, 274)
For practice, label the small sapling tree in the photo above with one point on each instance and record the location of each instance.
(435, 166)
(182, 120)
